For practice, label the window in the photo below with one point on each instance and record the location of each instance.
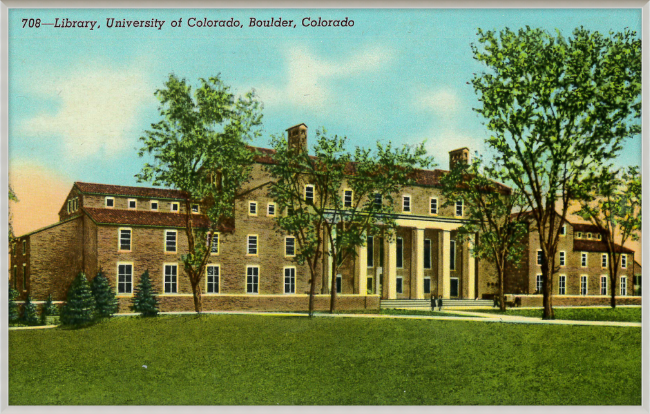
(252, 245)
(603, 261)
(583, 285)
(370, 255)
(563, 230)
(603, 285)
(347, 198)
(623, 258)
(109, 202)
(174, 207)
(378, 200)
(124, 278)
(289, 280)
(24, 277)
(252, 279)
(623, 285)
(399, 285)
(170, 240)
(400, 252)
(153, 204)
(132, 203)
(406, 204)
(599, 236)
(290, 246)
(195, 208)
(427, 285)
(252, 208)
(583, 259)
(459, 208)
(25, 249)
(309, 194)
(539, 283)
(433, 206)
(171, 279)
(215, 242)
(562, 258)
(540, 256)
(427, 254)
(452, 255)
(212, 278)
(369, 286)
(270, 209)
(339, 283)
(125, 240)
(562, 287)
(589, 235)
(578, 235)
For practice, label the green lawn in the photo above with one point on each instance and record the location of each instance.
(580, 314)
(250, 359)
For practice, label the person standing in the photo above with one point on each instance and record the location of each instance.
(434, 302)
(440, 303)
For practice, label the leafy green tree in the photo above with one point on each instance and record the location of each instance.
(104, 296)
(49, 309)
(556, 107)
(13, 306)
(614, 206)
(30, 313)
(495, 228)
(200, 147)
(144, 300)
(79, 307)
(327, 216)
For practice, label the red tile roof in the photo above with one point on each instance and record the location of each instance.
(429, 178)
(586, 228)
(123, 190)
(148, 218)
(597, 246)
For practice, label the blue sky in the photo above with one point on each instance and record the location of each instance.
(80, 99)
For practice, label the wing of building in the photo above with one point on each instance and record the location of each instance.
(125, 231)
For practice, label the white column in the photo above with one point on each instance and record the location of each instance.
(418, 246)
(468, 269)
(392, 269)
(362, 269)
(444, 250)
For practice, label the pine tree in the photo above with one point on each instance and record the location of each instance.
(80, 304)
(13, 306)
(104, 296)
(30, 314)
(49, 309)
(144, 300)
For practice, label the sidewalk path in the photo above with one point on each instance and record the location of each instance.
(465, 316)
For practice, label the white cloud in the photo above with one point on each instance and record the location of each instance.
(309, 77)
(97, 109)
(444, 102)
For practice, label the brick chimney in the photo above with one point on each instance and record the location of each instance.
(458, 155)
(297, 137)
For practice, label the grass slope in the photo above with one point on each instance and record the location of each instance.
(237, 359)
(580, 314)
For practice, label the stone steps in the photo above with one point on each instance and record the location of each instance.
(424, 304)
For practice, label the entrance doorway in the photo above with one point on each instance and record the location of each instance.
(453, 288)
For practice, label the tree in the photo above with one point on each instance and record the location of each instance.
(13, 306)
(556, 107)
(79, 307)
(144, 300)
(313, 218)
(614, 206)
(104, 296)
(49, 309)
(494, 215)
(30, 314)
(199, 147)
